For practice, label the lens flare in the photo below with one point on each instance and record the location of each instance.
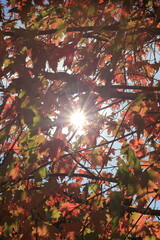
(78, 119)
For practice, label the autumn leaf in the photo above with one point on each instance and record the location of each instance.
(100, 58)
(61, 27)
(139, 123)
(68, 207)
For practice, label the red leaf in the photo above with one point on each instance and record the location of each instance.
(68, 207)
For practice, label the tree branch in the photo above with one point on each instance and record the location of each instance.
(109, 142)
(66, 77)
(150, 89)
(109, 93)
(76, 175)
(94, 177)
(146, 211)
(102, 90)
(89, 29)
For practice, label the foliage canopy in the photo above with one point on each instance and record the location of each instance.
(100, 57)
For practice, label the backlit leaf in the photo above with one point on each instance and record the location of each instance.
(55, 213)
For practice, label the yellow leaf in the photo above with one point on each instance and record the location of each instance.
(22, 93)
(153, 237)
(61, 27)
(40, 139)
(55, 213)
(7, 62)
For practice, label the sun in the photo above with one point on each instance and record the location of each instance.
(78, 119)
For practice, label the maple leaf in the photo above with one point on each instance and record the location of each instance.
(100, 57)
(139, 123)
(68, 207)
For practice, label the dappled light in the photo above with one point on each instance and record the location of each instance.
(80, 120)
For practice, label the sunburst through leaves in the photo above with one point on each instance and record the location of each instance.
(78, 119)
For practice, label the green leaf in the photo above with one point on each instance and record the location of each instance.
(92, 9)
(55, 213)
(40, 174)
(7, 229)
(133, 160)
(61, 28)
(43, 172)
(153, 237)
(115, 221)
(87, 231)
(88, 236)
(94, 187)
(115, 208)
(36, 120)
(22, 93)
(7, 62)
(123, 173)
